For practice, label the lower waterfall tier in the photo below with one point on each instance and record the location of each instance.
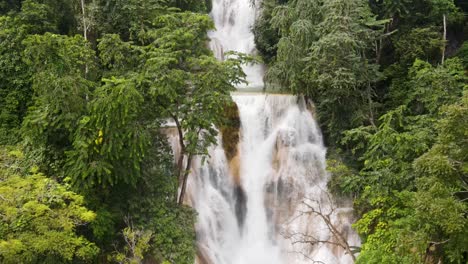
(276, 211)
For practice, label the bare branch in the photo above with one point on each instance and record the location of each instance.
(315, 207)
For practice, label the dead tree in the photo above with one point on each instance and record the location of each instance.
(315, 208)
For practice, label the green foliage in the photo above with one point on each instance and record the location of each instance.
(439, 8)
(187, 84)
(108, 136)
(413, 29)
(129, 19)
(137, 244)
(40, 218)
(344, 180)
(27, 17)
(40, 16)
(289, 66)
(406, 132)
(111, 142)
(406, 13)
(447, 157)
(423, 43)
(432, 87)
(9, 6)
(119, 57)
(420, 217)
(201, 6)
(60, 90)
(426, 87)
(153, 207)
(462, 53)
(96, 123)
(126, 18)
(104, 137)
(322, 54)
(167, 71)
(185, 81)
(266, 36)
(175, 239)
(15, 91)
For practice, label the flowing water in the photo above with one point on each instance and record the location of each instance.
(234, 20)
(255, 208)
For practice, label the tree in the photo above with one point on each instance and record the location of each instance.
(426, 224)
(187, 83)
(325, 211)
(40, 218)
(295, 23)
(119, 157)
(413, 29)
(15, 90)
(419, 43)
(322, 54)
(111, 142)
(444, 184)
(61, 91)
(98, 128)
(266, 36)
(26, 18)
(411, 203)
(136, 245)
(405, 132)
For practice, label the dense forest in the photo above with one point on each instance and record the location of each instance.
(389, 82)
(86, 87)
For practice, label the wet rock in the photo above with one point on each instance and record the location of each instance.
(240, 205)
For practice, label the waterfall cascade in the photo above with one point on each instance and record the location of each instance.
(234, 20)
(255, 208)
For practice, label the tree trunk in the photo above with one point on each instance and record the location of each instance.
(380, 44)
(83, 12)
(85, 29)
(369, 101)
(180, 161)
(445, 39)
(182, 147)
(184, 183)
(337, 234)
(341, 240)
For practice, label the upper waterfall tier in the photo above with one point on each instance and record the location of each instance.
(234, 20)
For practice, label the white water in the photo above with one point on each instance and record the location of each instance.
(257, 219)
(250, 209)
(234, 20)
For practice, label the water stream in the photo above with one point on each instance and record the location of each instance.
(234, 20)
(255, 208)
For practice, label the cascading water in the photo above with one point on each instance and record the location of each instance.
(234, 20)
(255, 208)
(257, 217)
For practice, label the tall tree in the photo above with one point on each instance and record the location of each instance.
(189, 85)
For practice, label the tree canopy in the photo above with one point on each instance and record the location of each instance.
(86, 94)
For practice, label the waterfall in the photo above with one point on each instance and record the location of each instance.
(234, 20)
(255, 208)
